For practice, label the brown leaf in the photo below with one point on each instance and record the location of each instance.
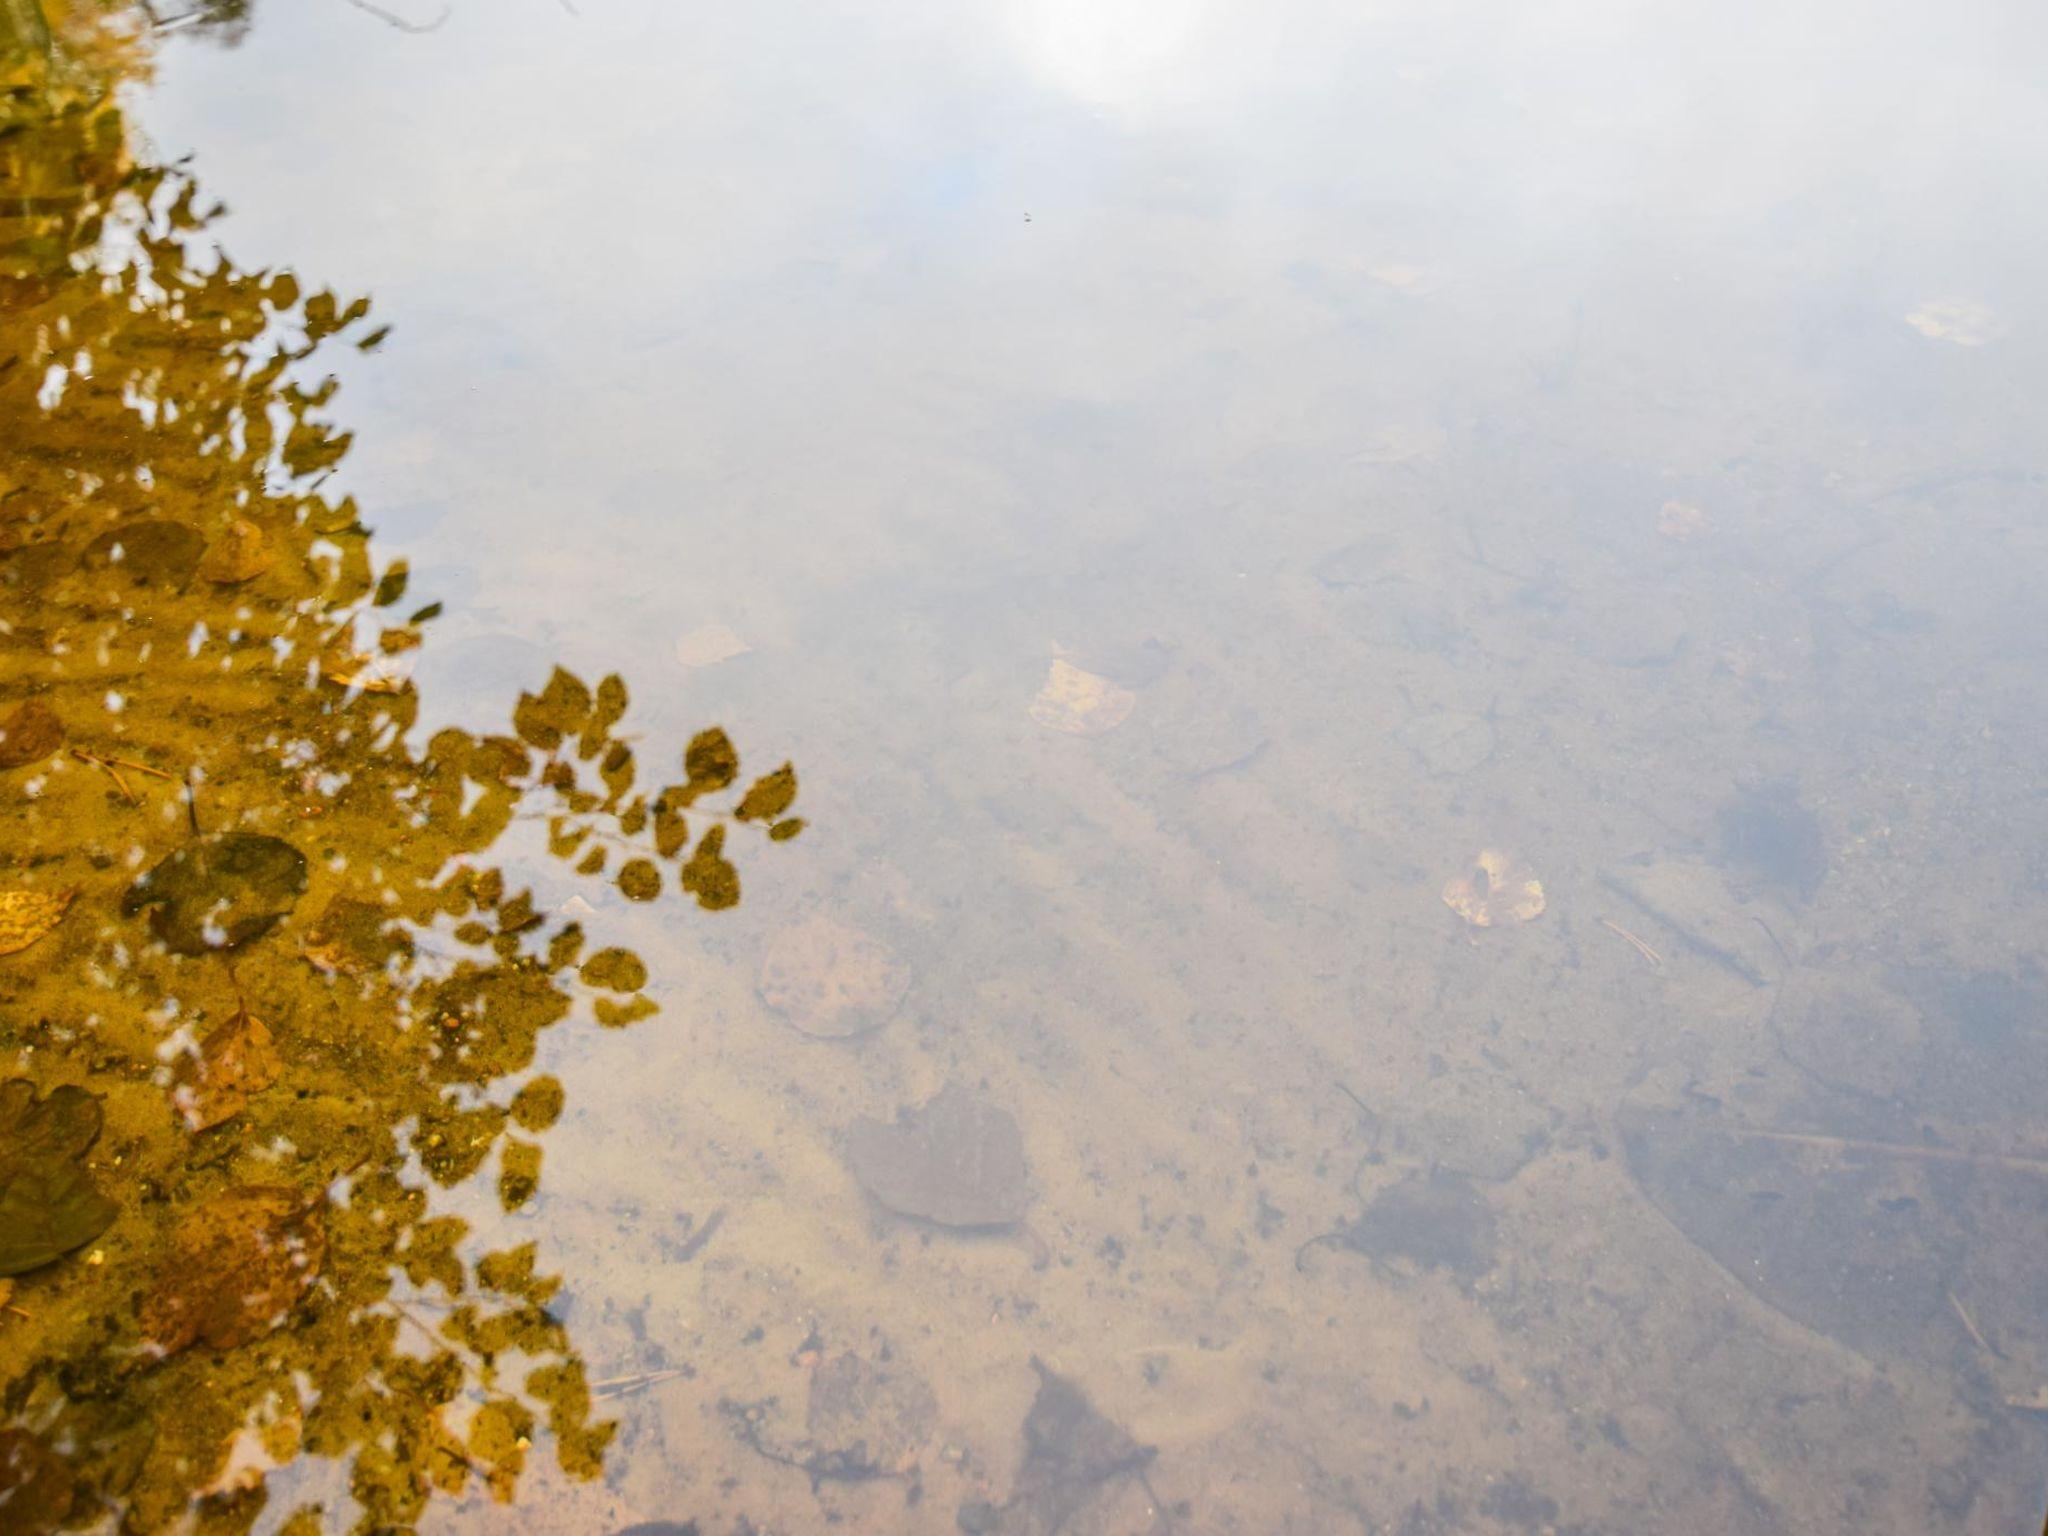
(29, 734)
(238, 555)
(238, 1265)
(26, 916)
(233, 1064)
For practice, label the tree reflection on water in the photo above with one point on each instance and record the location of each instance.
(286, 996)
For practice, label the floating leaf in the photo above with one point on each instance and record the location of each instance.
(48, 1204)
(30, 733)
(831, 981)
(238, 1265)
(709, 763)
(26, 916)
(1495, 893)
(219, 891)
(1081, 703)
(955, 1161)
(708, 645)
(233, 1064)
(783, 831)
(240, 554)
(770, 796)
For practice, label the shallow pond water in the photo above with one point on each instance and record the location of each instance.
(1079, 768)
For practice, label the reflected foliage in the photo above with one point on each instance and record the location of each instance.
(287, 996)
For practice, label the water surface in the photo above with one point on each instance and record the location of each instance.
(1406, 893)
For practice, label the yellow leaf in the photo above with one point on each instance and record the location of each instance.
(365, 674)
(26, 916)
(1495, 893)
(1080, 703)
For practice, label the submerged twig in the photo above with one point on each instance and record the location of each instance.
(1705, 948)
(391, 20)
(1845, 1144)
(1641, 948)
(694, 1243)
(107, 767)
(623, 1386)
(1970, 1324)
(155, 773)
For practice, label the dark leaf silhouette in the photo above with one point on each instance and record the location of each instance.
(219, 891)
(48, 1204)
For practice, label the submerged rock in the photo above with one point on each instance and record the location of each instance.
(956, 1161)
(869, 1417)
(1437, 1220)
(831, 981)
(1769, 836)
(1070, 1451)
